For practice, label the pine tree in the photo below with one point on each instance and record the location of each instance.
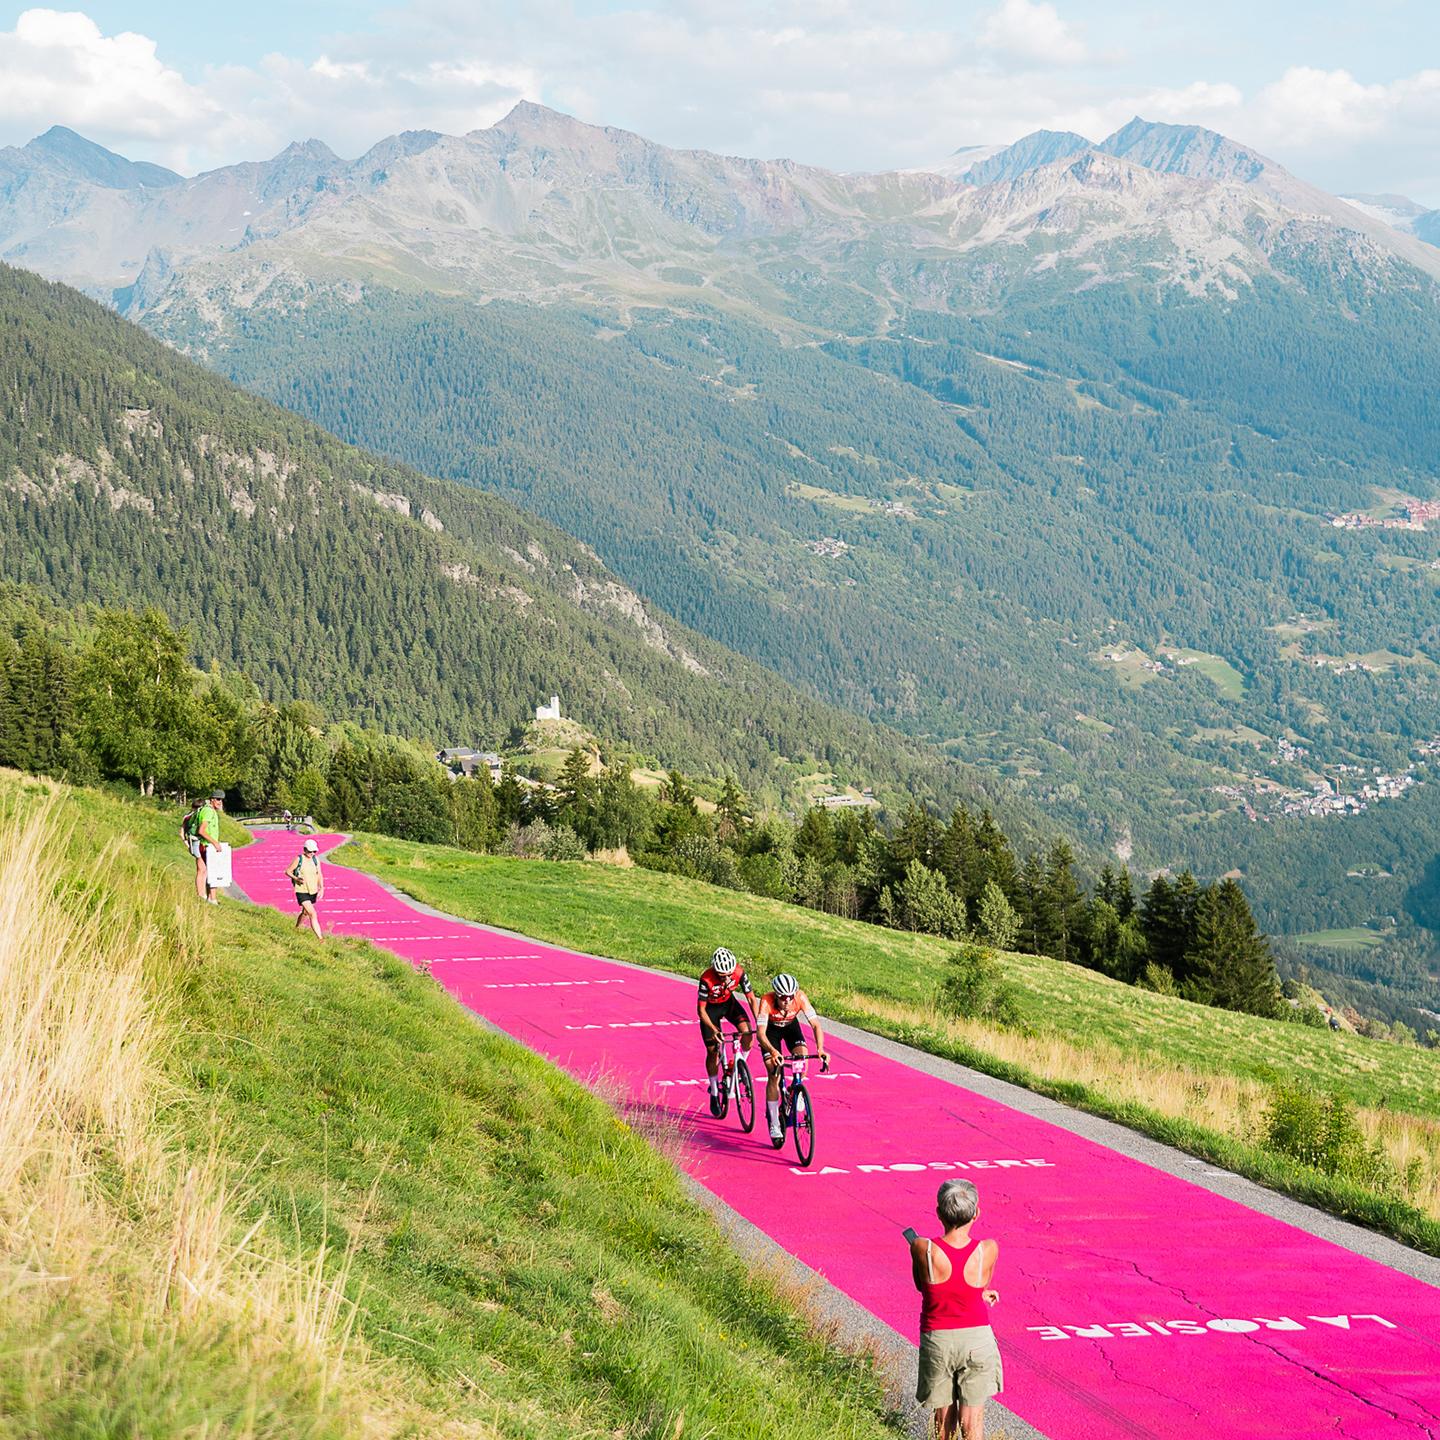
(1185, 897)
(1168, 921)
(509, 798)
(916, 837)
(1064, 904)
(1229, 963)
(1124, 901)
(734, 813)
(1030, 903)
(958, 853)
(815, 839)
(575, 786)
(855, 834)
(994, 859)
(1117, 945)
(679, 816)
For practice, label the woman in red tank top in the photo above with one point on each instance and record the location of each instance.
(959, 1360)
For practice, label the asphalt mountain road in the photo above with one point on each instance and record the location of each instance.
(1135, 1302)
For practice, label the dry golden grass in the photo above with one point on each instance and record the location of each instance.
(619, 857)
(1227, 1104)
(109, 1237)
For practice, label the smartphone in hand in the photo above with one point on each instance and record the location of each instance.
(909, 1233)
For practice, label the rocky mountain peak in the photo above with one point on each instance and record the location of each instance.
(1186, 150)
(62, 151)
(530, 120)
(312, 149)
(1030, 152)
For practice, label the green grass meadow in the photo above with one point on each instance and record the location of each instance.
(524, 1262)
(645, 917)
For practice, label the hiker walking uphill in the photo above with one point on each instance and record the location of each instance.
(309, 882)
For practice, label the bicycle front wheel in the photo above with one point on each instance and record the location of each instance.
(744, 1096)
(802, 1122)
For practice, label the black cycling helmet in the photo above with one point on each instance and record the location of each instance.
(785, 986)
(723, 962)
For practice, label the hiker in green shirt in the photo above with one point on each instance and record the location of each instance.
(204, 832)
(309, 882)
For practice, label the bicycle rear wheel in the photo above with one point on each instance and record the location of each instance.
(802, 1121)
(744, 1096)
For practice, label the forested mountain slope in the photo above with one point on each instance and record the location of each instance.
(1109, 591)
(129, 474)
(1040, 463)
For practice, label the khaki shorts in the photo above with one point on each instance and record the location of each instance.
(959, 1366)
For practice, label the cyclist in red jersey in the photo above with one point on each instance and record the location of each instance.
(959, 1360)
(778, 1018)
(718, 999)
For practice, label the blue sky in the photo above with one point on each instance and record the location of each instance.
(1345, 95)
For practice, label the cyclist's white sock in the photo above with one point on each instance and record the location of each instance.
(772, 1111)
(714, 1084)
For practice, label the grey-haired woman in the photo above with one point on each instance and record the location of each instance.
(959, 1360)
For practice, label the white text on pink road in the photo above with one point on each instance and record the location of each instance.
(914, 1167)
(1148, 1329)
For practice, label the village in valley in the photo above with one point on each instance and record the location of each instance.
(1413, 515)
(1335, 790)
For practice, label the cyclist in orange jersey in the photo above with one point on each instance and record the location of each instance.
(778, 1018)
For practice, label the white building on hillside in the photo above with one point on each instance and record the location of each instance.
(550, 711)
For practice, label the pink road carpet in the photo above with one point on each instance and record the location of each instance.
(1133, 1304)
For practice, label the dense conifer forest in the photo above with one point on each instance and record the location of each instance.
(110, 695)
(131, 476)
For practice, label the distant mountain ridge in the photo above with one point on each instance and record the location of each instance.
(63, 151)
(541, 203)
(1401, 212)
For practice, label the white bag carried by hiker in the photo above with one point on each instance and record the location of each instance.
(217, 867)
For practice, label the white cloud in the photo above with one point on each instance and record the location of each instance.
(1031, 32)
(58, 68)
(329, 69)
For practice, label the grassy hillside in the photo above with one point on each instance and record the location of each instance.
(453, 1239)
(1198, 1077)
(129, 475)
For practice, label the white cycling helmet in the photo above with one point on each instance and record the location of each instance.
(786, 986)
(722, 962)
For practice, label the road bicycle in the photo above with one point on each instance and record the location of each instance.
(797, 1114)
(735, 1084)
